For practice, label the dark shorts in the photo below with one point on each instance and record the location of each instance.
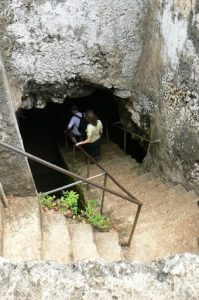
(75, 138)
(93, 149)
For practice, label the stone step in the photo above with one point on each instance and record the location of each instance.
(107, 163)
(56, 239)
(165, 240)
(2, 221)
(142, 180)
(108, 245)
(172, 210)
(122, 170)
(192, 196)
(111, 148)
(176, 195)
(82, 242)
(22, 232)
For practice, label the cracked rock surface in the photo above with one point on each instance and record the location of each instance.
(171, 278)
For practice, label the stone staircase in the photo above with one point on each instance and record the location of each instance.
(26, 233)
(168, 223)
(169, 219)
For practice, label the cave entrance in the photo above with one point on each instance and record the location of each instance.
(107, 107)
(40, 131)
(43, 129)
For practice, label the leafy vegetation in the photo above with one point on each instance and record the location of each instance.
(69, 200)
(47, 201)
(94, 217)
(68, 204)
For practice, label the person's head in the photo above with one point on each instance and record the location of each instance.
(74, 109)
(91, 117)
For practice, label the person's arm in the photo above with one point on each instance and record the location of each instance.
(101, 128)
(87, 141)
(71, 123)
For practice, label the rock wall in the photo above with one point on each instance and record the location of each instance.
(144, 52)
(176, 116)
(173, 278)
(58, 49)
(165, 101)
(15, 174)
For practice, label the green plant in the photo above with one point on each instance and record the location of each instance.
(95, 218)
(69, 200)
(90, 208)
(68, 204)
(47, 201)
(100, 222)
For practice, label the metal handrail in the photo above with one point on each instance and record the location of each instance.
(130, 197)
(136, 201)
(117, 125)
(3, 196)
(72, 184)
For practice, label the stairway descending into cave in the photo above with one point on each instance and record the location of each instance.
(27, 233)
(169, 219)
(168, 223)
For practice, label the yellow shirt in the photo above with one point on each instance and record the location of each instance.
(94, 132)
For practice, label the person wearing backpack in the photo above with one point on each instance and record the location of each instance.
(92, 143)
(76, 128)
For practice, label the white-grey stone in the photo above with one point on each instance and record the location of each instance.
(145, 52)
(97, 280)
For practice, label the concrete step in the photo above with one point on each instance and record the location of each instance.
(56, 239)
(108, 245)
(171, 209)
(107, 162)
(192, 196)
(112, 148)
(2, 222)
(82, 241)
(140, 180)
(22, 232)
(165, 240)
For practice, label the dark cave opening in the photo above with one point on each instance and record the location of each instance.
(43, 129)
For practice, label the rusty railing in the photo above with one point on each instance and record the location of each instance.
(119, 126)
(129, 197)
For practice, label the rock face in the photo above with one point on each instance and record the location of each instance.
(14, 170)
(176, 116)
(173, 278)
(58, 49)
(145, 52)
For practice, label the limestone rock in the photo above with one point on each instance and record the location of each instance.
(97, 280)
(145, 52)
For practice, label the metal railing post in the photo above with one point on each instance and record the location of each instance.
(146, 157)
(66, 142)
(107, 134)
(3, 196)
(74, 150)
(87, 181)
(125, 141)
(103, 194)
(88, 172)
(134, 225)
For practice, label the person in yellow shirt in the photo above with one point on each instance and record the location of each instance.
(94, 131)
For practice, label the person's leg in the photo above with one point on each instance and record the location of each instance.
(72, 137)
(96, 149)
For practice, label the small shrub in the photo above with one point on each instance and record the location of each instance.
(90, 208)
(68, 204)
(47, 200)
(95, 218)
(69, 200)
